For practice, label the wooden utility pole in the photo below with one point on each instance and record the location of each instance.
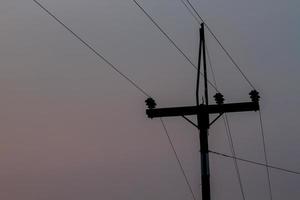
(203, 112)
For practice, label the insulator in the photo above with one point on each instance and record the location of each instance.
(219, 98)
(150, 103)
(254, 95)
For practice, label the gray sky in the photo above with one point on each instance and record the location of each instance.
(71, 128)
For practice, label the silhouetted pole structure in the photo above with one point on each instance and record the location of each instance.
(203, 112)
(203, 122)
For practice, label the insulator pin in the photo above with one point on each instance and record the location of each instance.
(254, 95)
(219, 98)
(150, 103)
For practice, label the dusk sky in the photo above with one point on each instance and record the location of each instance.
(72, 128)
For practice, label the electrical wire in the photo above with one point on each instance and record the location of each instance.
(170, 39)
(230, 141)
(218, 41)
(265, 153)
(245, 77)
(124, 76)
(256, 163)
(177, 158)
(146, 94)
(165, 34)
(96, 52)
(261, 127)
(215, 87)
(262, 132)
(228, 131)
(191, 12)
(211, 67)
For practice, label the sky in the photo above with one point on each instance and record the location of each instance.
(72, 128)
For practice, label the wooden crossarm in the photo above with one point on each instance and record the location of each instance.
(210, 109)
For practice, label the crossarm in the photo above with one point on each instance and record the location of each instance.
(194, 110)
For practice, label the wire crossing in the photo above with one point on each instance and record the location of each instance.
(134, 84)
(228, 132)
(190, 11)
(186, 57)
(216, 38)
(226, 119)
(171, 40)
(203, 112)
(193, 11)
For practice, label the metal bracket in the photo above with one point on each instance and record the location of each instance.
(211, 123)
(190, 121)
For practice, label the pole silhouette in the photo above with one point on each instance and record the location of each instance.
(203, 112)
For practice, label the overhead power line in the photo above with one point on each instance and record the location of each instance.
(170, 39)
(231, 145)
(216, 38)
(211, 66)
(96, 52)
(265, 153)
(193, 11)
(177, 158)
(228, 131)
(256, 163)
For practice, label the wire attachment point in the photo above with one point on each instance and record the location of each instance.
(219, 98)
(254, 95)
(150, 103)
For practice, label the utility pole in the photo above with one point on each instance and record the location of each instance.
(203, 112)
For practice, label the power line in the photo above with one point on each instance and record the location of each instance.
(165, 34)
(230, 141)
(124, 76)
(226, 121)
(233, 61)
(170, 39)
(177, 158)
(96, 52)
(211, 67)
(195, 11)
(218, 41)
(236, 65)
(261, 123)
(228, 131)
(191, 12)
(265, 153)
(255, 163)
